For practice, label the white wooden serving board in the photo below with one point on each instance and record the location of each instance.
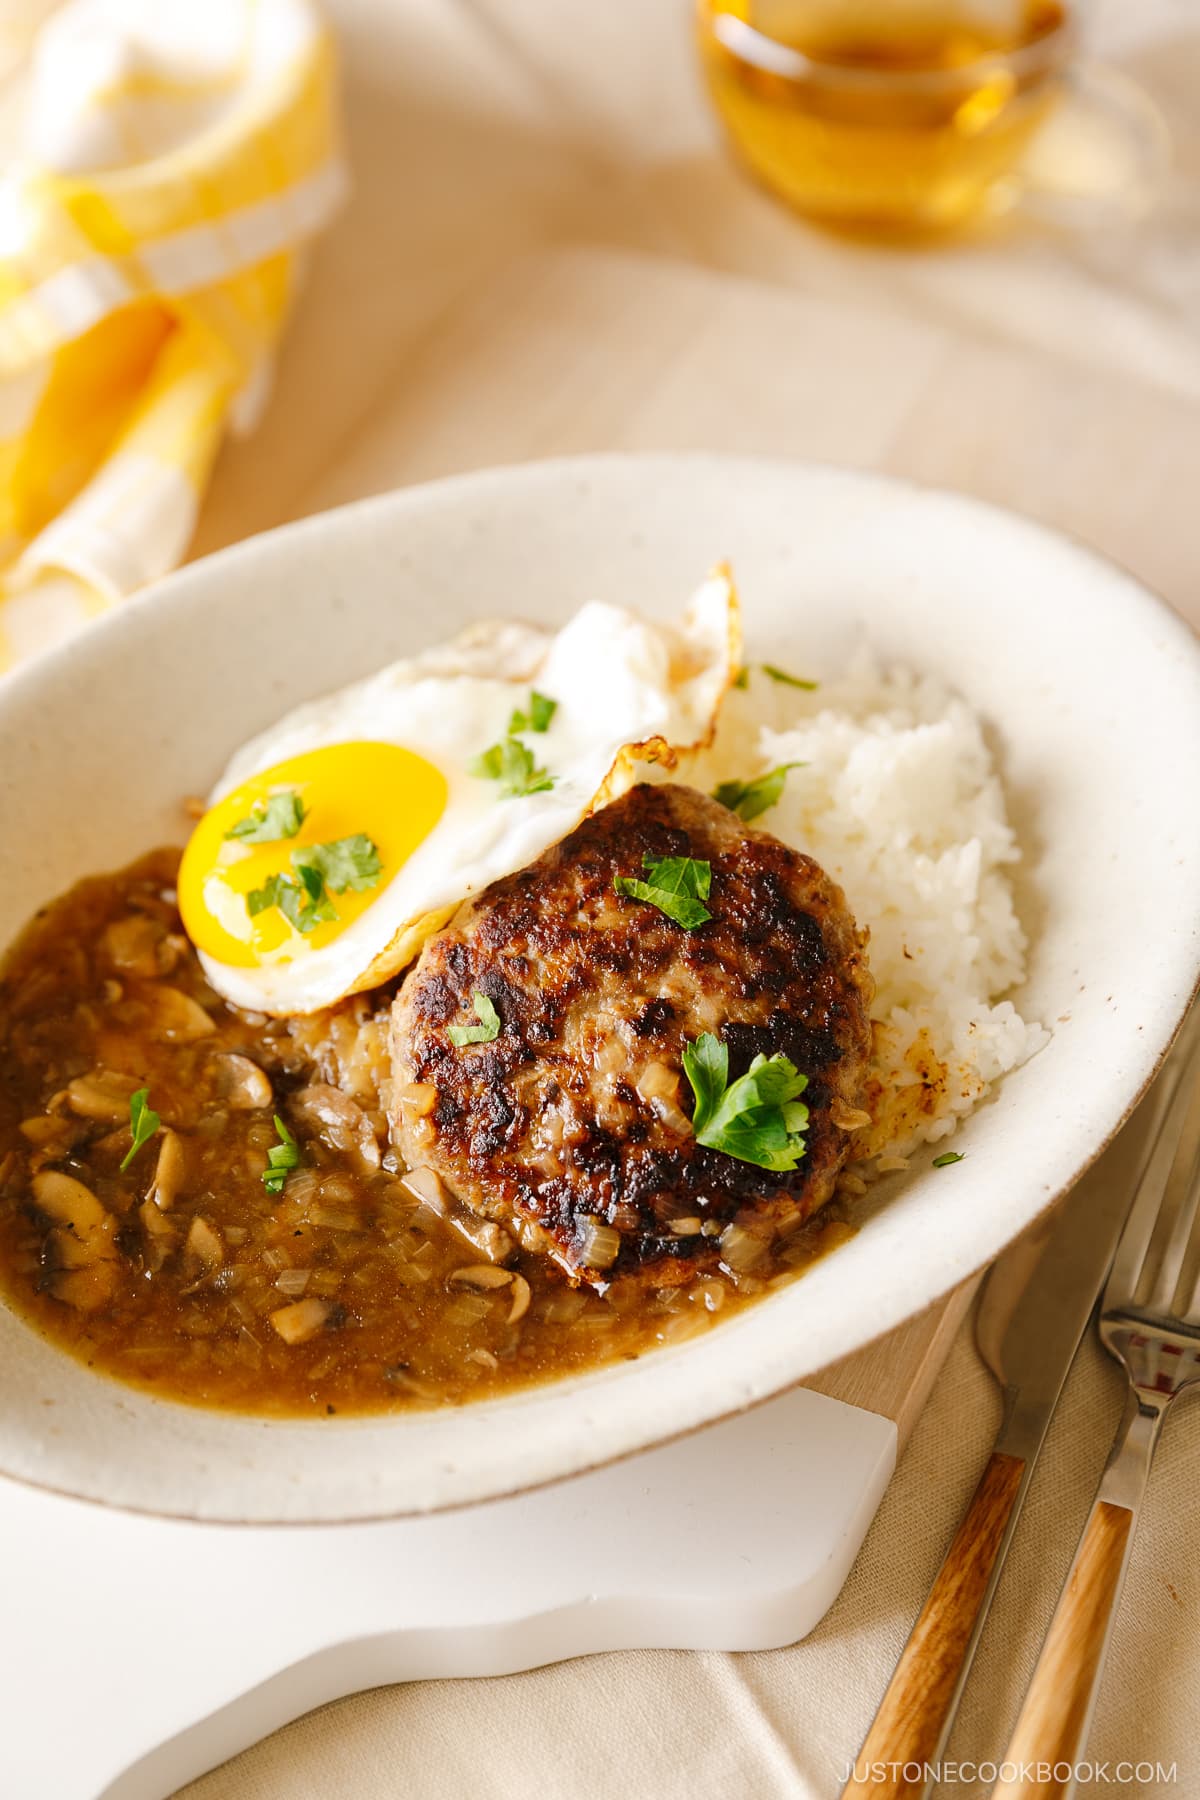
(135, 1653)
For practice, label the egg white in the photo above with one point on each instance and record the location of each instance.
(629, 694)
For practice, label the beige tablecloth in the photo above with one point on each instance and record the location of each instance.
(485, 129)
(780, 1725)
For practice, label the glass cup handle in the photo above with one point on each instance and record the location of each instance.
(1102, 156)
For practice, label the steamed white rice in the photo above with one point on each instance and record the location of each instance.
(899, 801)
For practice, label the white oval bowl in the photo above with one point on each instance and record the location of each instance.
(1091, 687)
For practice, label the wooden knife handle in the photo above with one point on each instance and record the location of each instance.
(1053, 1723)
(912, 1715)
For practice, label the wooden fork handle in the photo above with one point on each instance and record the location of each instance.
(910, 1724)
(1052, 1728)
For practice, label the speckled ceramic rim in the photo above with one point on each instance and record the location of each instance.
(1091, 688)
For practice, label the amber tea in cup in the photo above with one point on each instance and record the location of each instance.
(884, 113)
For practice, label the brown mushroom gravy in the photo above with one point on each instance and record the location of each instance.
(353, 1289)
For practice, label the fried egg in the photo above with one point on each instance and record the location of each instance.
(338, 840)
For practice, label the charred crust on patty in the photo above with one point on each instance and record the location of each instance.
(578, 1111)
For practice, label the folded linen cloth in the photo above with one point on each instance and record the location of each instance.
(176, 157)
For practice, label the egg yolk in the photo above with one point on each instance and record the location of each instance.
(386, 793)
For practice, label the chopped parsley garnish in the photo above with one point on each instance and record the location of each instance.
(677, 885)
(487, 1029)
(269, 821)
(142, 1122)
(759, 1118)
(349, 862)
(742, 678)
(283, 1157)
(303, 898)
(511, 762)
(541, 711)
(513, 766)
(781, 675)
(750, 798)
(947, 1157)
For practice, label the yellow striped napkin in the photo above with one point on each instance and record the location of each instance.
(177, 156)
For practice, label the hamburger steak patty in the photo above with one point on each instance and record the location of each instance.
(577, 1116)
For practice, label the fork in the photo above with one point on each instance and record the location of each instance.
(1150, 1322)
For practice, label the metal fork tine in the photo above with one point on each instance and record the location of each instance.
(1190, 1313)
(1181, 1199)
(1179, 1251)
(1143, 1215)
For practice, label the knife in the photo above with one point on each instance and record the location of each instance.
(1035, 1304)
